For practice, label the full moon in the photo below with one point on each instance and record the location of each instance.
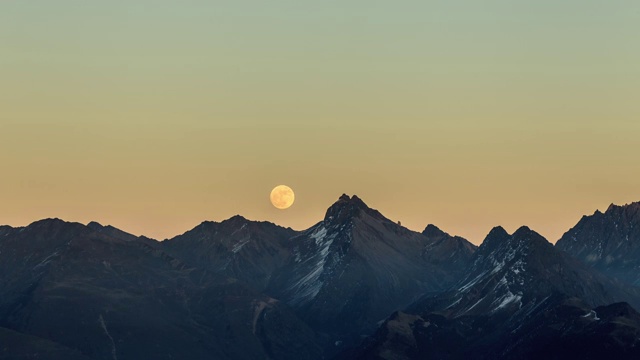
(282, 197)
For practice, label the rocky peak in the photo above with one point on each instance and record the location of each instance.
(114, 232)
(608, 241)
(345, 203)
(235, 219)
(49, 222)
(525, 233)
(433, 231)
(53, 226)
(496, 237)
(523, 237)
(628, 212)
(207, 226)
(94, 225)
(632, 207)
(348, 207)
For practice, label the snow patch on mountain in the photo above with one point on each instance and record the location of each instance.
(309, 285)
(469, 284)
(592, 315)
(507, 299)
(239, 245)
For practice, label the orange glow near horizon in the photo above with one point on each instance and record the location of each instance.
(155, 116)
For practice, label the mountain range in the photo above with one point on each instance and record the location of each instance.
(356, 285)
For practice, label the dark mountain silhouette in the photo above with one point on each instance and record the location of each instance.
(246, 250)
(113, 298)
(242, 289)
(514, 284)
(342, 276)
(609, 242)
(354, 268)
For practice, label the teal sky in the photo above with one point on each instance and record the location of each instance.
(156, 115)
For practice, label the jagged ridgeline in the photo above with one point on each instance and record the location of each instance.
(354, 285)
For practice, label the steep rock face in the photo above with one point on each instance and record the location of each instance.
(609, 242)
(520, 270)
(513, 282)
(246, 250)
(111, 298)
(354, 268)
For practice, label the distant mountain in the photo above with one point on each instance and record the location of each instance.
(609, 242)
(110, 298)
(514, 283)
(247, 250)
(356, 267)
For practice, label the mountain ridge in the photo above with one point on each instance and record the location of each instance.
(515, 284)
(243, 289)
(608, 242)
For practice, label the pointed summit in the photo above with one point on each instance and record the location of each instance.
(524, 229)
(347, 207)
(235, 220)
(498, 238)
(530, 237)
(111, 231)
(498, 235)
(432, 231)
(356, 267)
(498, 231)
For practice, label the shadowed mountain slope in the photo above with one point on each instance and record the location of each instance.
(113, 298)
(356, 267)
(609, 242)
(247, 250)
(516, 287)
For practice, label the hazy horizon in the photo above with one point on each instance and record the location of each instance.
(475, 241)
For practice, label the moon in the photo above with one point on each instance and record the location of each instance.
(282, 197)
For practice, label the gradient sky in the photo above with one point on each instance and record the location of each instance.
(156, 115)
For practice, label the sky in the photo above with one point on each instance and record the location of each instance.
(154, 116)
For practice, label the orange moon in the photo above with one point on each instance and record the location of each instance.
(282, 197)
